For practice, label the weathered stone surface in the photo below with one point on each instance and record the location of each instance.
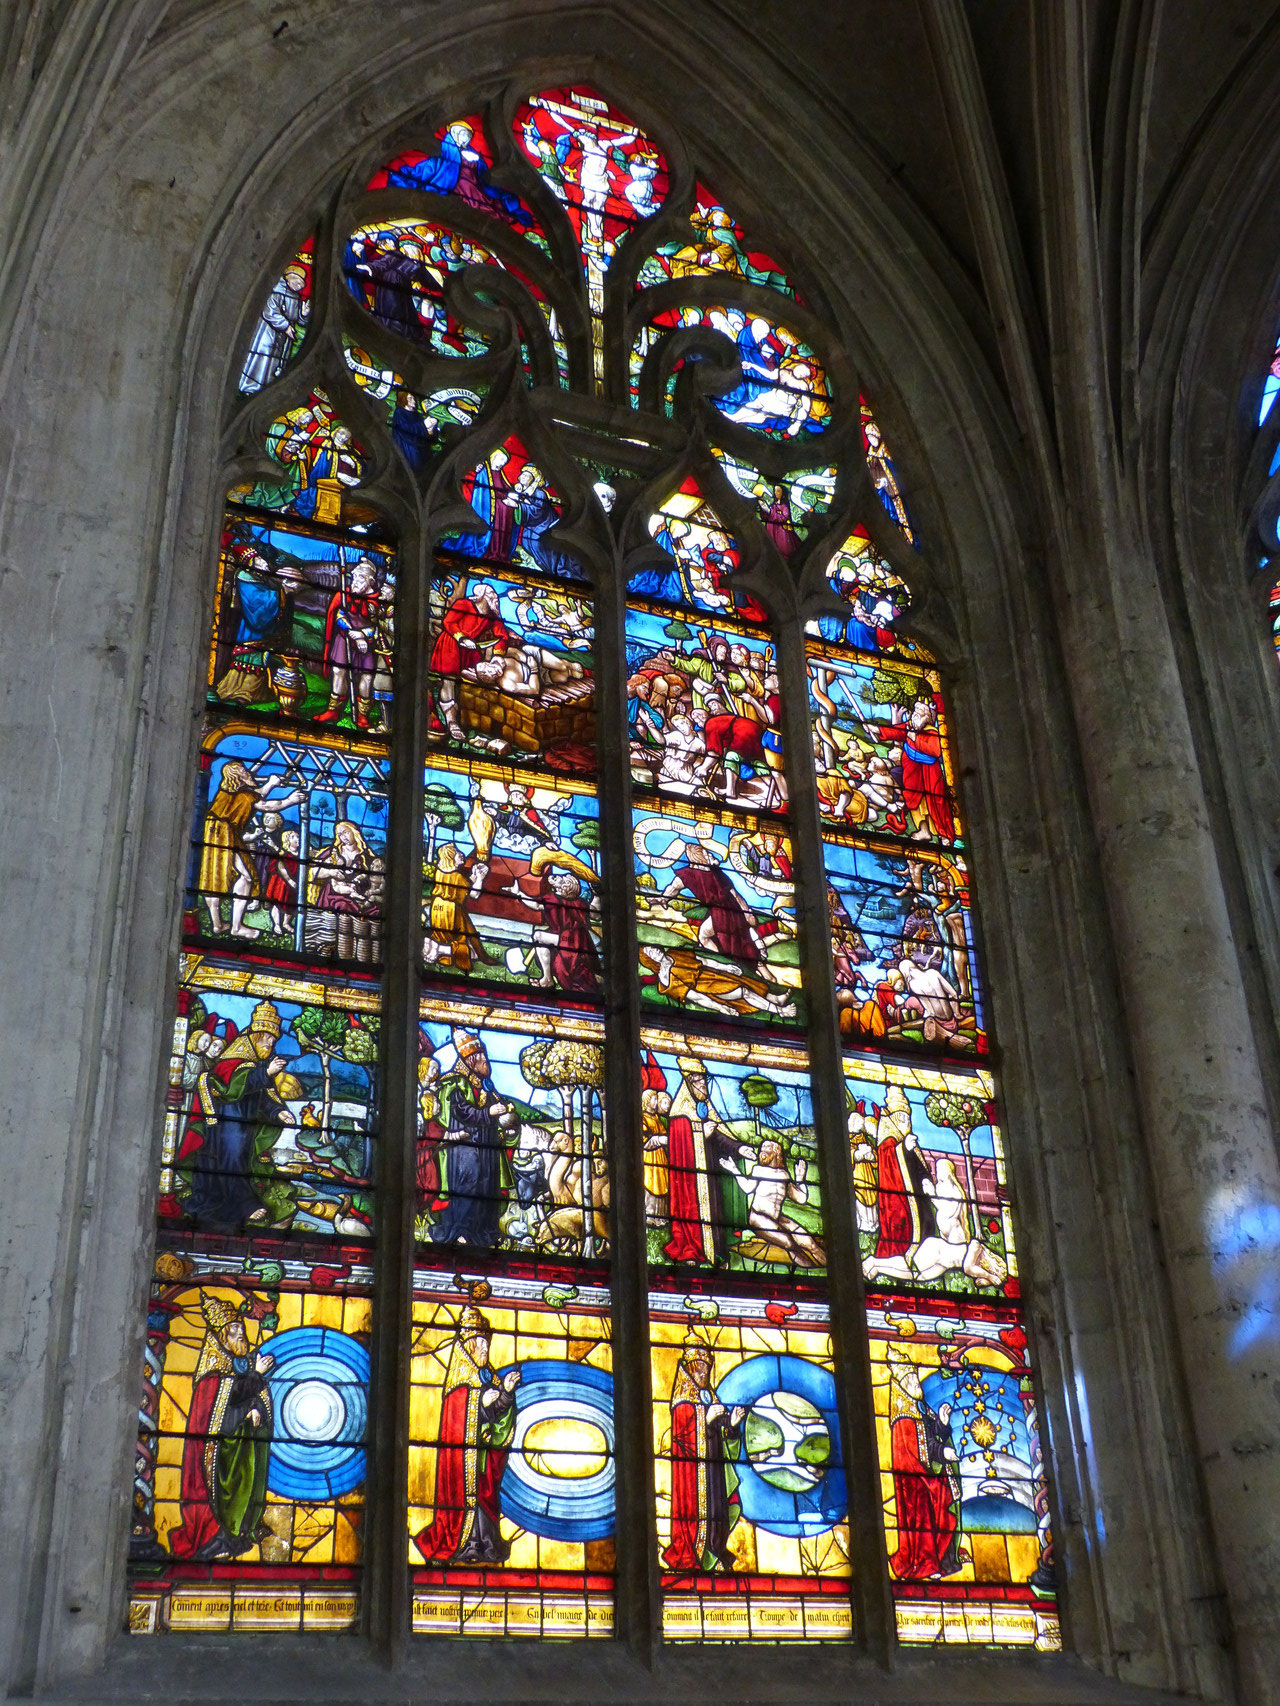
(1054, 250)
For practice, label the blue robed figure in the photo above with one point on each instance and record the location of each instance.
(481, 500)
(261, 606)
(536, 513)
(476, 1170)
(759, 377)
(461, 170)
(659, 581)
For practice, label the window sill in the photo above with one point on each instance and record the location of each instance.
(333, 1672)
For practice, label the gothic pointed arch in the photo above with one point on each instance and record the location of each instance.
(557, 1016)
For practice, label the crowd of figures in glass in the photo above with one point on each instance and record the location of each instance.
(511, 1455)
(752, 1513)
(521, 325)
(248, 1506)
(966, 1507)
(1267, 457)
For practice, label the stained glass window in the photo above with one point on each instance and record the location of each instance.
(965, 1502)
(249, 1505)
(1266, 506)
(578, 979)
(1270, 386)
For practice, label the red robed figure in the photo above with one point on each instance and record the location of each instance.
(896, 1229)
(705, 1505)
(923, 781)
(923, 1494)
(477, 1420)
(685, 1244)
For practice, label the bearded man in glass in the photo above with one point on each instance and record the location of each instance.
(228, 1443)
(477, 1419)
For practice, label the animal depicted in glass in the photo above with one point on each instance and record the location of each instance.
(471, 284)
(510, 1152)
(931, 1195)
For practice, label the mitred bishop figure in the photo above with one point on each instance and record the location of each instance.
(227, 1448)
(477, 1419)
(704, 1484)
(926, 1479)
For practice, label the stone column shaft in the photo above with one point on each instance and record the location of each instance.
(1208, 1130)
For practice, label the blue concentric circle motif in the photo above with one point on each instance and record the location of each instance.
(319, 1398)
(806, 1503)
(560, 1507)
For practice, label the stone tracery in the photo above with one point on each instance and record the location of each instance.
(673, 398)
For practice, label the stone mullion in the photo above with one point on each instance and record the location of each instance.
(874, 1626)
(387, 1591)
(637, 1601)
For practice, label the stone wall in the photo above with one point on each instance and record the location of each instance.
(1069, 413)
